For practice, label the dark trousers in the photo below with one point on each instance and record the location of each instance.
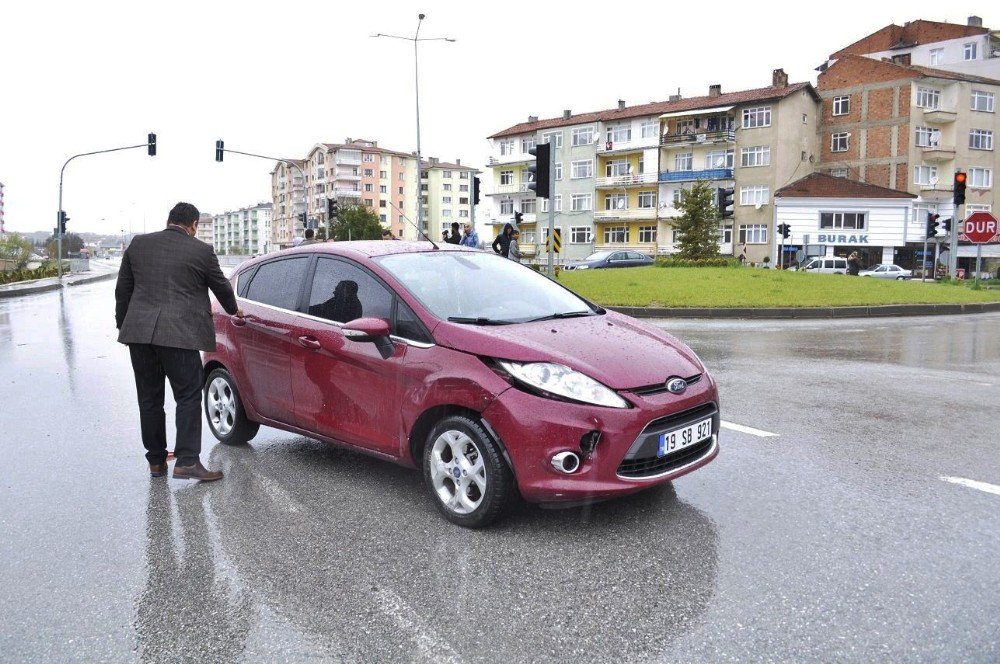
(182, 367)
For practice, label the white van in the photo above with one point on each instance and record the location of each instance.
(826, 265)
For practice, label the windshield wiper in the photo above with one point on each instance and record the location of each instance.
(478, 321)
(564, 314)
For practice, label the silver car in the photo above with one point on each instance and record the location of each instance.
(886, 271)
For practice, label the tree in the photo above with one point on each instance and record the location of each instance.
(71, 244)
(356, 222)
(698, 225)
(15, 248)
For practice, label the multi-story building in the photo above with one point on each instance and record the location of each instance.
(970, 48)
(909, 128)
(246, 231)
(206, 229)
(446, 192)
(288, 200)
(619, 173)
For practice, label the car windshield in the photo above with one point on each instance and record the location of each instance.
(480, 288)
(598, 255)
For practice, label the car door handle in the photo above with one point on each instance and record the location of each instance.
(240, 321)
(310, 342)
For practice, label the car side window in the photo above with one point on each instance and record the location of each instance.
(408, 326)
(881, 268)
(635, 256)
(342, 292)
(279, 282)
(243, 281)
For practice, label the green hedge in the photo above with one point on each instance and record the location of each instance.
(48, 270)
(701, 262)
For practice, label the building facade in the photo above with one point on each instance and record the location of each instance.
(446, 195)
(247, 231)
(206, 229)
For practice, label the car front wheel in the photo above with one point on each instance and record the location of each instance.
(224, 409)
(466, 472)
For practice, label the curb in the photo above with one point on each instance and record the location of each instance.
(51, 284)
(882, 311)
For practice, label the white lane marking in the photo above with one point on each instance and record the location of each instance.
(749, 430)
(973, 484)
(429, 643)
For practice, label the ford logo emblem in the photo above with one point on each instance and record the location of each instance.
(676, 385)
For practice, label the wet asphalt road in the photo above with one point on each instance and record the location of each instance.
(835, 540)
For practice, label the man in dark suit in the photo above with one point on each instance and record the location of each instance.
(163, 314)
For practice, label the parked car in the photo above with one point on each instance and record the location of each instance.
(490, 377)
(602, 259)
(887, 271)
(826, 265)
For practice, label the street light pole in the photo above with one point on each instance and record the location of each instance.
(416, 84)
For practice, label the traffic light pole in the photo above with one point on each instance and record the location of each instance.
(953, 242)
(552, 212)
(290, 162)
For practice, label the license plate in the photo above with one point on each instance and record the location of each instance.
(671, 441)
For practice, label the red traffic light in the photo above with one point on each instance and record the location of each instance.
(960, 177)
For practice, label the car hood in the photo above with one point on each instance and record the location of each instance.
(616, 350)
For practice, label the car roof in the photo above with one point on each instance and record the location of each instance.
(363, 249)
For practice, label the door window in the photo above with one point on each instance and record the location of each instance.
(279, 283)
(342, 292)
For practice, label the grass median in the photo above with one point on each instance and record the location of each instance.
(757, 288)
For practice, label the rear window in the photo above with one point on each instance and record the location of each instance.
(279, 283)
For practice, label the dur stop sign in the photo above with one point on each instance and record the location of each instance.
(981, 227)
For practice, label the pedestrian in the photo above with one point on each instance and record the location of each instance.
(470, 238)
(456, 234)
(514, 251)
(501, 244)
(310, 237)
(853, 264)
(163, 315)
(743, 254)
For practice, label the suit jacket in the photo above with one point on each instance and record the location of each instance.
(162, 292)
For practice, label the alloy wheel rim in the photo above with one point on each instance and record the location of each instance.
(221, 406)
(458, 473)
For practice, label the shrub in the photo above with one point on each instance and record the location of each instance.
(672, 261)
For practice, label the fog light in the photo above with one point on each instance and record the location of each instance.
(566, 462)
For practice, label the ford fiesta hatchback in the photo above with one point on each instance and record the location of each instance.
(486, 375)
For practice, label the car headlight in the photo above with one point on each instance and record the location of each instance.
(582, 267)
(561, 381)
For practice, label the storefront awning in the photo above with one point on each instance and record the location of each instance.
(697, 111)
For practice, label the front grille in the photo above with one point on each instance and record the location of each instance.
(649, 466)
(669, 421)
(662, 387)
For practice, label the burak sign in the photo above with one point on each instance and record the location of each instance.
(829, 238)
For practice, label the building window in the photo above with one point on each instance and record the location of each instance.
(382, 218)
(758, 155)
(506, 177)
(557, 174)
(369, 202)
(463, 175)
(381, 204)
(616, 235)
(720, 159)
(753, 234)
(369, 172)
(615, 202)
(754, 195)
(382, 174)
(446, 187)
(368, 157)
(583, 136)
(937, 56)
(647, 200)
(527, 143)
(683, 161)
(581, 202)
(400, 177)
(927, 137)
(616, 167)
(928, 98)
(446, 174)
(506, 147)
(382, 189)
(446, 200)
(757, 117)
(446, 213)
(582, 169)
(553, 138)
(842, 220)
(464, 200)
(726, 234)
(463, 187)
(981, 139)
(621, 133)
(463, 213)
(971, 207)
(650, 128)
(924, 175)
(401, 191)
(839, 172)
(839, 141)
(507, 206)
(969, 51)
(982, 101)
(842, 105)
(981, 177)
(581, 235)
(369, 186)
(647, 234)
(545, 204)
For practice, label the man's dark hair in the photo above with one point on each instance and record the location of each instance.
(310, 233)
(184, 214)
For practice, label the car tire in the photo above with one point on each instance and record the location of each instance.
(224, 410)
(485, 483)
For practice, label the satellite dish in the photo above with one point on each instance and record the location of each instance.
(934, 179)
(758, 206)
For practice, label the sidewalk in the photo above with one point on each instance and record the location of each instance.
(99, 272)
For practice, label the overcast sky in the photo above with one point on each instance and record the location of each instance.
(276, 78)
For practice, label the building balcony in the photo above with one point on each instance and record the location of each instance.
(932, 188)
(504, 189)
(347, 177)
(939, 115)
(347, 193)
(624, 147)
(626, 180)
(625, 215)
(507, 159)
(690, 176)
(938, 153)
(347, 159)
(697, 138)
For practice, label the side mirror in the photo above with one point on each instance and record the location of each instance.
(375, 330)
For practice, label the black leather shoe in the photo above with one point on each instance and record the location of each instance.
(196, 472)
(158, 469)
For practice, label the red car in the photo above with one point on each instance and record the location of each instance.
(484, 373)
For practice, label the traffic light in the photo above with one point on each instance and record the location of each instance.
(946, 225)
(151, 145)
(785, 230)
(517, 218)
(332, 209)
(302, 218)
(219, 150)
(62, 218)
(540, 170)
(932, 224)
(475, 191)
(959, 196)
(726, 202)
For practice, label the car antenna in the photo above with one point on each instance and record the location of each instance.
(428, 237)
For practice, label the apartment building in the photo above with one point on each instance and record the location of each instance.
(909, 128)
(206, 229)
(246, 231)
(619, 173)
(446, 194)
(970, 49)
(288, 200)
